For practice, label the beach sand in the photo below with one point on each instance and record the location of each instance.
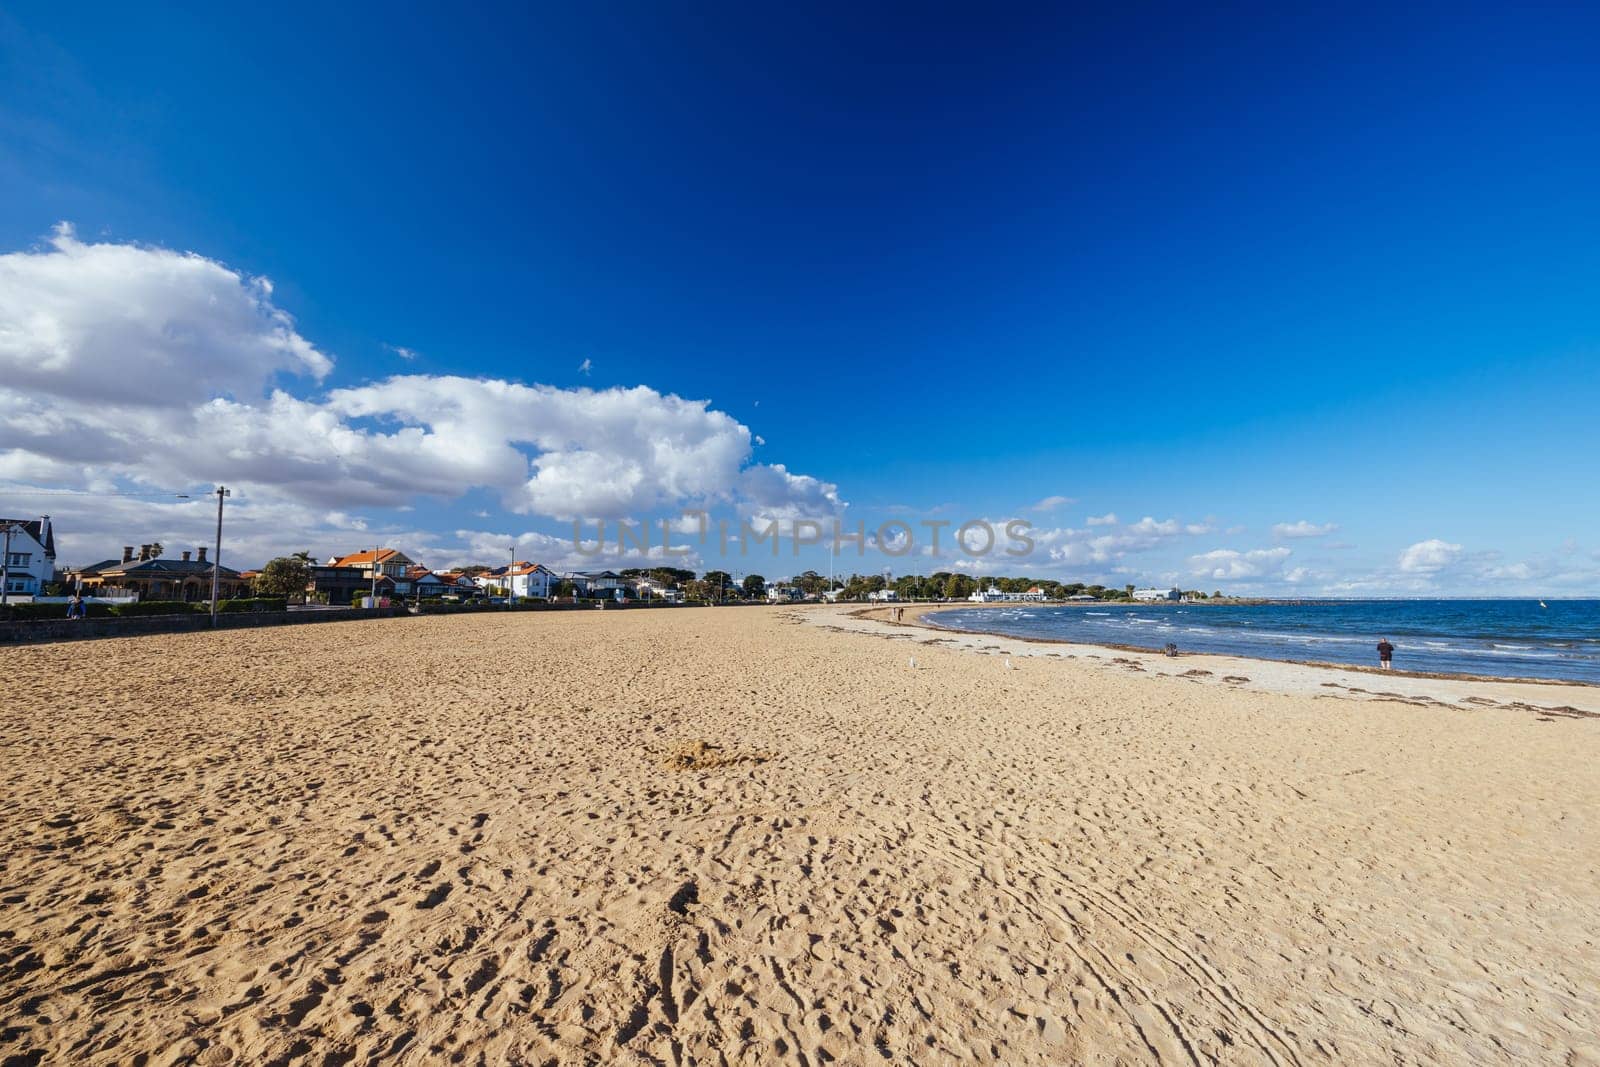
(761, 835)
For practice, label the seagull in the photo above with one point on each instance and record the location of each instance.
(1009, 667)
(913, 663)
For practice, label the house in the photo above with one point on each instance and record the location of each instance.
(420, 582)
(887, 596)
(1077, 598)
(339, 585)
(458, 584)
(389, 562)
(30, 555)
(597, 583)
(1157, 594)
(154, 577)
(651, 589)
(779, 594)
(525, 579)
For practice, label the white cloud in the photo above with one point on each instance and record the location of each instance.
(137, 327)
(1303, 528)
(1108, 519)
(1150, 527)
(586, 367)
(1050, 503)
(1429, 557)
(122, 364)
(1228, 563)
(402, 351)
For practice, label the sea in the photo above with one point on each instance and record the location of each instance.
(1505, 638)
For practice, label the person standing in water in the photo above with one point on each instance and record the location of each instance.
(1385, 653)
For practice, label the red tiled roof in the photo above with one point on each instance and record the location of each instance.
(365, 557)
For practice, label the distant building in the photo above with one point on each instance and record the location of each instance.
(884, 595)
(783, 594)
(596, 583)
(993, 595)
(526, 579)
(650, 588)
(153, 577)
(1157, 594)
(340, 585)
(30, 561)
(1080, 597)
(389, 562)
(420, 583)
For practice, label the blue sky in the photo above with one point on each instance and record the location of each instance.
(1226, 273)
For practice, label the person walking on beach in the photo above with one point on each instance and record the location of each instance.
(1385, 653)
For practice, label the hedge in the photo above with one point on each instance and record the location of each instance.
(260, 603)
(154, 607)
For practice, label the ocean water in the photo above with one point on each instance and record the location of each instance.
(1509, 638)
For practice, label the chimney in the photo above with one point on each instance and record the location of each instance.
(186, 555)
(144, 553)
(127, 553)
(200, 553)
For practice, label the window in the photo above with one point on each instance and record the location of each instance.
(18, 559)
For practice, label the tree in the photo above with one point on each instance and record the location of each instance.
(754, 586)
(284, 576)
(810, 583)
(564, 588)
(304, 556)
(718, 582)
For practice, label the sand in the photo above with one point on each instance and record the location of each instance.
(761, 836)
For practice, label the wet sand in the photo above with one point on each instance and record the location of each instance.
(763, 836)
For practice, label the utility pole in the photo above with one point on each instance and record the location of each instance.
(374, 597)
(216, 563)
(511, 588)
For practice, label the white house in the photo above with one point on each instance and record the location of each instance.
(784, 593)
(526, 579)
(650, 589)
(30, 557)
(887, 596)
(1157, 594)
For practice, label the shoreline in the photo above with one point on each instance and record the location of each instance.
(1286, 677)
(917, 611)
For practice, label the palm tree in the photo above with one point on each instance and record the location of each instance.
(304, 556)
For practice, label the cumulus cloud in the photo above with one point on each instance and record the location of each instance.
(124, 363)
(1228, 563)
(1303, 528)
(1429, 557)
(1108, 519)
(140, 327)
